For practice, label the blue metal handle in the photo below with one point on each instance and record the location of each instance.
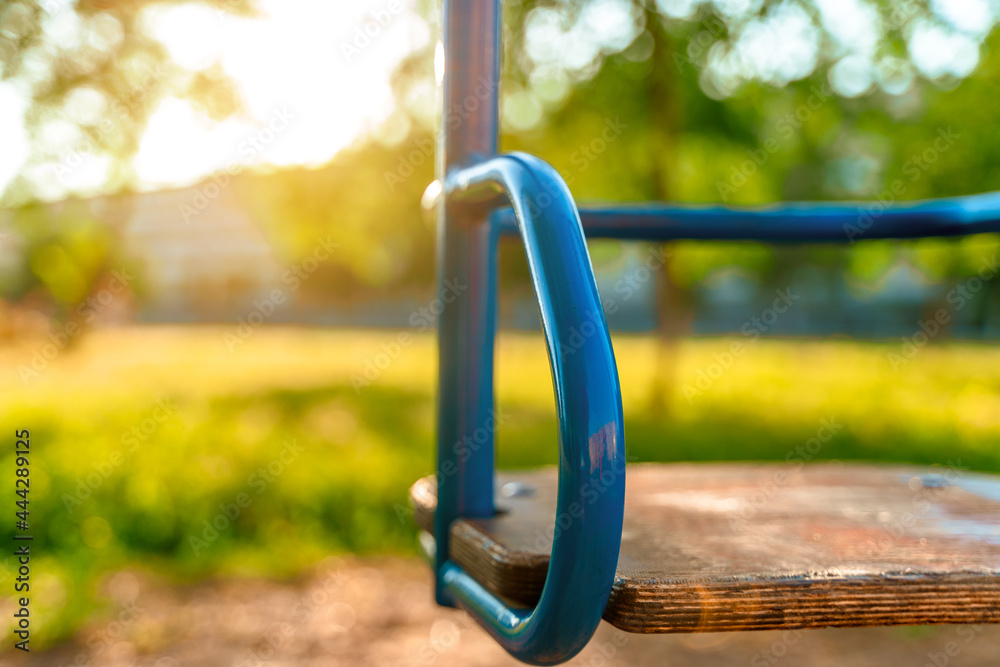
(591, 497)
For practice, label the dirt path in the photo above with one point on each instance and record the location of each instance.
(379, 613)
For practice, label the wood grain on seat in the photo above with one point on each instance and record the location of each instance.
(712, 547)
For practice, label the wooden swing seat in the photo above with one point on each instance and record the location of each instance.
(720, 547)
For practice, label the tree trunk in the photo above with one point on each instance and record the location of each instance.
(671, 307)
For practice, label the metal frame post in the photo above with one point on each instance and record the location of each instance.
(466, 275)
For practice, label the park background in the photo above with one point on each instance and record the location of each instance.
(217, 299)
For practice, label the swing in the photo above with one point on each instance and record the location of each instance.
(540, 561)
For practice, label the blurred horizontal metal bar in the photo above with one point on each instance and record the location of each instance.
(792, 222)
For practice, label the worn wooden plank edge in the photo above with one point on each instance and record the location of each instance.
(511, 574)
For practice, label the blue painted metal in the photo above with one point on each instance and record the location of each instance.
(591, 497)
(836, 222)
(466, 277)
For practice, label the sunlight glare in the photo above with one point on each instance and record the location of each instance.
(331, 73)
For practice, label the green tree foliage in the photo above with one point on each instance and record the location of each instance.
(64, 256)
(368, 201)
(91, 74)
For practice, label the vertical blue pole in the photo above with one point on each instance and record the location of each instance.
(466, 275)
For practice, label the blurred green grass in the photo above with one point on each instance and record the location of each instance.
(144, 437)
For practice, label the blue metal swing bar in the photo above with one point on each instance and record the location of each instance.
(791, 222)
(485, 196)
